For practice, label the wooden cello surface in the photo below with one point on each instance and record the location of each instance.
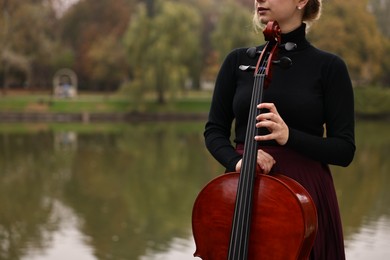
(283, 222)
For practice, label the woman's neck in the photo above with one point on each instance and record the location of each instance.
(289, 27)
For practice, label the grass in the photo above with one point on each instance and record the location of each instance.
(45, 103)
(372, 100)
(368, 101)
(98, 103)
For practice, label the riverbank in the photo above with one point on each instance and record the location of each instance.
(88, 117)
(370, 104)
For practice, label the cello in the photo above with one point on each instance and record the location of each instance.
(251, 215)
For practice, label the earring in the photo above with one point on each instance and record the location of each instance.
(299, 7)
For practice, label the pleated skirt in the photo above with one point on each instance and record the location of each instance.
(317, 179)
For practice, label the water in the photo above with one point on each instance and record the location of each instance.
(126, 191)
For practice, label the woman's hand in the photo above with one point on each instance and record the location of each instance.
(274, 123)
(264, 160)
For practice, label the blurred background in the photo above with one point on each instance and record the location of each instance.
(124, 44)
(102, 109)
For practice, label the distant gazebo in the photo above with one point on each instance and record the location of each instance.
(65, 84)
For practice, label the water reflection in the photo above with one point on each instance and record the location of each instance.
(126, 191)
(364, 195)
(66, 243)
(129, 188)
(371, 242)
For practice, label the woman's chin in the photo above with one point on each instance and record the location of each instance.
(264, 20)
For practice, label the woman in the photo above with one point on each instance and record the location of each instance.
(309, 118)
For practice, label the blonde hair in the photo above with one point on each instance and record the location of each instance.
(312, 12)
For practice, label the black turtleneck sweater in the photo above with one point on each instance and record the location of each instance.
(314, 97)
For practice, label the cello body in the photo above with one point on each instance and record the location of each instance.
(249, 215)
(283, 221)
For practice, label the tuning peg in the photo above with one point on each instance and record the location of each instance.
(284, 62)
(246, 67)
(252, 52)
(288, 46)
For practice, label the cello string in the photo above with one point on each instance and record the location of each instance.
(244, 180)
(248, 183)
(241, 202)
(257, 99)
(247, 179)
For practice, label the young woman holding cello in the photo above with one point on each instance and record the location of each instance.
(307, 121)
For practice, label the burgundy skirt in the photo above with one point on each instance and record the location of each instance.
(317, 179)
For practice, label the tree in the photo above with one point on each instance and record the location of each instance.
(108, 57)
(27, 28)
(36, 40)
(381, 10)
(89, 24)
(234, 29)
(162, 50)
(352, 33)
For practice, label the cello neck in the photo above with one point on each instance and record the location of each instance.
(239, 237)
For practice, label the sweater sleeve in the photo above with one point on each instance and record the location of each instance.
(219, 125)
(337, 147)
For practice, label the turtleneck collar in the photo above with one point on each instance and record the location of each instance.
(297, 36)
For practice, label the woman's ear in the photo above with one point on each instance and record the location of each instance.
(301, 4)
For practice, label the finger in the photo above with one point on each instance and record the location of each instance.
(238, 166)
(267, 123)
(265, 156)
(265, 160)
(269, 106)
(266, 165)
(267, 137)
(266, 116)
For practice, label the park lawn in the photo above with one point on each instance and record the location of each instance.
(368, 101)
(101, 103)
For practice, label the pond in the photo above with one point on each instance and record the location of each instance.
(125, 191)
